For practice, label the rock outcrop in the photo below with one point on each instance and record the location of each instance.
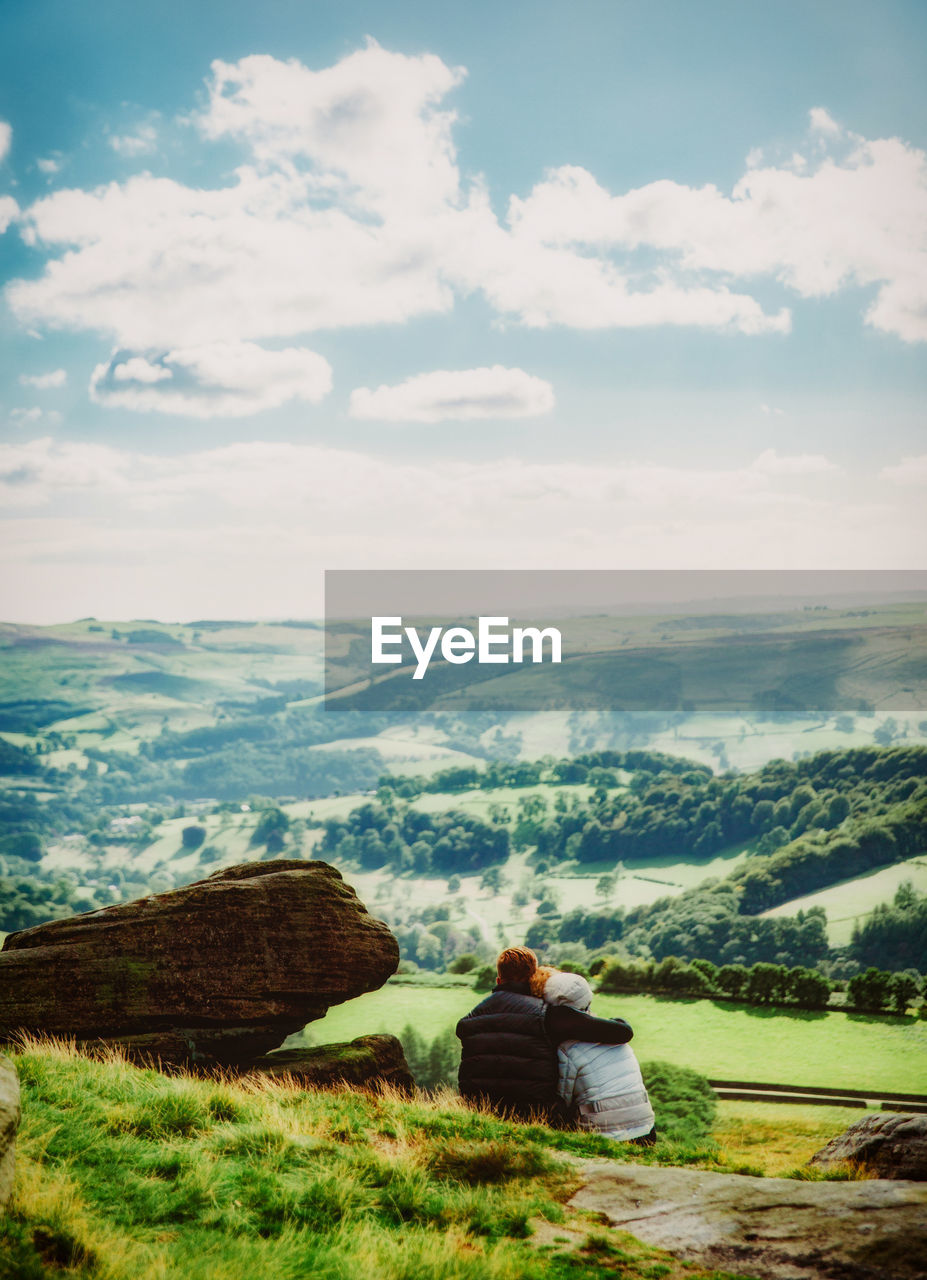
(369, 1061)
(9, 1123)
(772, 1228)
(217, 972)
(889, 1145)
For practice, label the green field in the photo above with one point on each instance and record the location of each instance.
(721, 1040)
(853, 900)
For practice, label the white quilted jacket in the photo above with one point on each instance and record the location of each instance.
(603, 1082)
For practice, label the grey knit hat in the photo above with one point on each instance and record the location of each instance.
(568, 988)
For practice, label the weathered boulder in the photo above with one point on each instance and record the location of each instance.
(889, 1144)
(9, 1123)
(772, 1228)
(369, 1061)
(216, 972)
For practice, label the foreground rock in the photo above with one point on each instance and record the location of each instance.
(369, 1062)
(217, 972)
(773, 1228)
(9, 1123)
(889, 1145)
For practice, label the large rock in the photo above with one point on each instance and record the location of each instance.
(217, 972)
(9, 1123)
(369, 1062)
(773, 1228)
(889, 1144)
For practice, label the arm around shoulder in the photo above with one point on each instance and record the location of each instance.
(563, 1023)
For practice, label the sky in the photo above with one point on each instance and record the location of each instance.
(330, 285)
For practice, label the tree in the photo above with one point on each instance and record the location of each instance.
(492, 879)
(443, 1060)
(809, 988)
(193, 837)
(272, 820)
(732, 979)
(837, 810)
(605, 886)
(903, 990)
(869, 990)
(764, 983)
(415, 1050)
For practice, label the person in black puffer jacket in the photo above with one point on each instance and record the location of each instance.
(509, 1044)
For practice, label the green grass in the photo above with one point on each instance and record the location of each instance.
(723, 1041)
(776, 1138)
(853, 900)
(127, 1174)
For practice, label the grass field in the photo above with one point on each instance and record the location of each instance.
(124, 1174)
(853, 900)
(723, 1041)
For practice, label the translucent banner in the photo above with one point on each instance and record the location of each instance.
(725, 642)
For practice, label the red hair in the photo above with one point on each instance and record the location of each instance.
(516, 964)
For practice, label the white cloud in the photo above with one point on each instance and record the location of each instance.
(140, 143)
(247, 528)
(350, 209)
(22, 417)
(221, 379)
(461, 395)
(802, 464)
(821, 121)
(44, 381)
(861, 220)
(48, 165)
(38, 471)
(136, 369)
(908, 472)
(6, 138)
(157, 264)
(266, 477)
(31, 417)
(369, 125)
(9, 211)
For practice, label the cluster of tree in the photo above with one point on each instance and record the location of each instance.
(228, 774)
(760, 984)
(28, 715)
(22, 844)
(26, 901)
(702, 924)
(15, 762)
(266, 720)
(876, 991)
(891, 835)
(433, 1063)
(241, 770)
(375, 835)
(688, 812)
(595, 768)
(894, 936)
(428, 938)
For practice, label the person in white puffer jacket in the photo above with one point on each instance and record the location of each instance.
(600, 1083)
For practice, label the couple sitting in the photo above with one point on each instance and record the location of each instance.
(532, 1050)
